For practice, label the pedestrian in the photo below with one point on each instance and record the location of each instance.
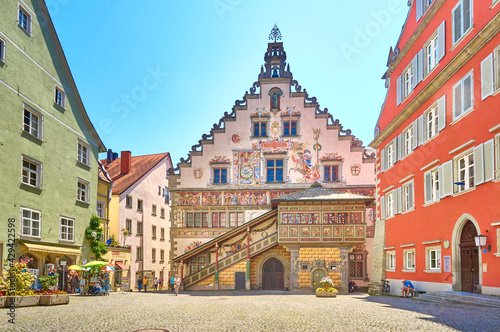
(155, 284)
(160, 282)
(177, 284)
(145, 283)
(172, 282)
(139, 283)
(75, 282)
(407, 288)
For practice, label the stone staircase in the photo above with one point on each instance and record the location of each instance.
(460, 298)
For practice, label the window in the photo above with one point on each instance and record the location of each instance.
(82, 191)
(198, 263)
(422, 6)
(60, 97)
(2, 50)
(100, 210)
(139, 228)
(490, 74)
(197, 219)
(331, 173)
(408, 78)
(153, 232)
(160, 191)
(289, 126)
(431, 179)
(67, 229)
(357, 265)
(220, 175)
(162, 213)
(24, 20)
(153, 255)
(162, 233)
(31, 220)
(235, 219)
(128, 201)
(139, 204)
(162, 255)
(431, 54)
(218, 219)
(83, 153)
(408, 140)
(408, 202)
(390, 211)
(153, 210)
(32, 173)
(461, 19)
(409, 259)
(128, 225)
(433, 258)
(390, 261)
(138, 253)
(391, 158)
(464, 172)
(32, 123)
(463, 96)
(260, 127)
(275, 170)
(431, 121)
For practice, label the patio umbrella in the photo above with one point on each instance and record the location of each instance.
(75, 267)
(95, 264)
(108, 268)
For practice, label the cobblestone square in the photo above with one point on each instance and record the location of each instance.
(250, 311)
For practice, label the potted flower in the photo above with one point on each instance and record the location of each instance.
(19, 281)
(48, 297)
(327, 288)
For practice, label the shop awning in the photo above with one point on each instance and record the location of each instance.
(53, 249)
(121, 265)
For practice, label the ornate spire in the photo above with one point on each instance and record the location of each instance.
(275, 33)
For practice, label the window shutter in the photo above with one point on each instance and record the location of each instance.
(468, 93)
(442, 113)
(420, 64)
(489, 160)
(414, 72)
(457, 100)
(398, 200)
(401, 145)
(382, 207)
(428, 186)
(467, 14)
(397, 147)
(478, 165)
(446, 179)
(487, 76)
(457, 23)
(415, 129)
(398, 90)
(420, 132)
(410, 196)
(420, 8)
(382, 160)
(441, 41)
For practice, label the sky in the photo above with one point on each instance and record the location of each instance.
(155, 76)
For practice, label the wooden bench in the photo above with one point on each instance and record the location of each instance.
(416, 293)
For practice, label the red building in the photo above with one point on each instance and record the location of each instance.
(437, 141)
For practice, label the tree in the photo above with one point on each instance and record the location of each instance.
(93, 233)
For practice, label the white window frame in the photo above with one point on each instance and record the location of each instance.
(62, 101)
(391, 155)
(275, 168)
(463, 174)
(432, 123)
(28, 26)
(410, 253)
(79, 191)
(2, 50)
(101, 209)
(390, 261)
(408, 193)
(431, 53)
(456, 39)
(29, 172)
(82, 156)
(461, 83)
(434, 185)
(39, 122)
(408, 76)
(69, 234)
(437, 266)
(390, 205)
(127, 200)
(408, 137)
(31, 222)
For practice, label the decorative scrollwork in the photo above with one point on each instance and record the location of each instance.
(255, 85)
(242, 102)
(371, 155)
(296, 85)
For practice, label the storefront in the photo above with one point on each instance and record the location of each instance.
(119, 259)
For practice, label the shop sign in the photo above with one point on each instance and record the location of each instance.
(125, 286)
(447, 263)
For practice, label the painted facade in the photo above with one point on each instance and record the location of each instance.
(276, 141)
(139, 212)
(437, 141)
(48, 146)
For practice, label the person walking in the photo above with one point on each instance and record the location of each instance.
(75, 282)
(145, 284)
(172, 282)
(177, 284)
(160, 283)
(139, 283)
(155, 284)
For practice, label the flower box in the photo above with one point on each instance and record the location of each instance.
(22, 301)
(54, 299)
(326, 294)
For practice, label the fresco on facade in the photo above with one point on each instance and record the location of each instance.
(302, 164)
(228, 198)
(193, 245)
(246, 165)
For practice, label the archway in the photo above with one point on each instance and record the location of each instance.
(316, 276)
(469, 258)
(273, 275)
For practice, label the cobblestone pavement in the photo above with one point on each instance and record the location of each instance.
(250, 311)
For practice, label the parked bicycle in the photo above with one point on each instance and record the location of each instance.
(386, 289)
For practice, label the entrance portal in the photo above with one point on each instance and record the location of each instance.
(273, 277)
(317, 276)
(469, 258)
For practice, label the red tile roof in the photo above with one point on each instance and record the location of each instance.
(140, 165)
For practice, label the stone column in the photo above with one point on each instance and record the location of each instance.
(344, 268)
(378, 260)
(294, 267)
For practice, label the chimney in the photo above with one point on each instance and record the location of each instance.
(126, 162)
(109, 156)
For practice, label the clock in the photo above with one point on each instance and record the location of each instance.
(246, 172)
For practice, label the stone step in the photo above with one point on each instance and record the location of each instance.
(437, 297)
(481, 298)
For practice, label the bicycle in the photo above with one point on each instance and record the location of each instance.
(386, 289)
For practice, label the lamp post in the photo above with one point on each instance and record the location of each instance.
(481, 241)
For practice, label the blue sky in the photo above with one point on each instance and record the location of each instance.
(156, 75)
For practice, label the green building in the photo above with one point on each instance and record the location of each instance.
(48, 146)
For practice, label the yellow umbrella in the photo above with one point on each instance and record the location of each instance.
(75, 267)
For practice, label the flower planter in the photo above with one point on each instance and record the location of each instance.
(54, 299)
(22, 301)
(326, 294)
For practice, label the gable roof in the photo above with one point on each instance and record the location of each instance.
(140, 165)
(318, 193)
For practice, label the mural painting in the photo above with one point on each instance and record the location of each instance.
(246, 167)
(193, 245)
(302, 159)
(228, 198)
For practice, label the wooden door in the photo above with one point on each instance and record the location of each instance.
(273, 277)
(469, 258)
(239, 280)
(317, 276)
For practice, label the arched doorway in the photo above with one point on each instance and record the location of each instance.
(469, 257)
(317, 275)
(273, 276)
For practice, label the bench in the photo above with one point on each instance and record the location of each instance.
(416, 293)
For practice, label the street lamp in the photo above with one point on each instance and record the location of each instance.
(481, 241)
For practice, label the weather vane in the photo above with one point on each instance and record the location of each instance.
(275, 33)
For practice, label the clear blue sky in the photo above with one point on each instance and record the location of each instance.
(156, 75)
